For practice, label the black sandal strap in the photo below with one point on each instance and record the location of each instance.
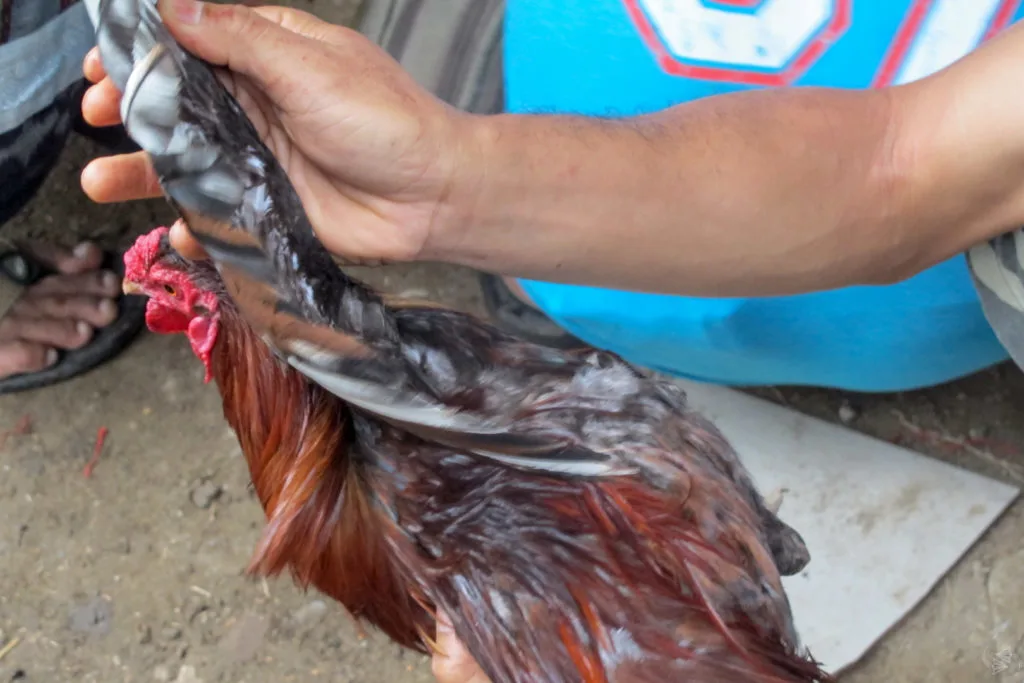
(21, 269)
(108, 342)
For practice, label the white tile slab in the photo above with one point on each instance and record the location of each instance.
(883, 523)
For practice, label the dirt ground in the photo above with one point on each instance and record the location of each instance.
(136, 573)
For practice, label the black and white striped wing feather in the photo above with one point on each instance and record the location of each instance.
(240, 205)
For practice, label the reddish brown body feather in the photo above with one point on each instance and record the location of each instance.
(397, 530)
(322, 526)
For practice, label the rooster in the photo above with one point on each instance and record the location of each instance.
(570, 514)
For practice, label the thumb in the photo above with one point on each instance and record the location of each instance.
(258, 43)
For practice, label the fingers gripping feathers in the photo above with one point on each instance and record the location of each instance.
(149, 107)
(240, 205)
(210, 162)
(120, 35)
(150, 69)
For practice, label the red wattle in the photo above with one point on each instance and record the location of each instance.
(202, 335)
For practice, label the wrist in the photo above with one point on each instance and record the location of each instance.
(472, 147)
(526, 189)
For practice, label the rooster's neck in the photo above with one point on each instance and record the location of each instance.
(324, 523)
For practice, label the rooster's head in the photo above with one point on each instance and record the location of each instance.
(184, 295)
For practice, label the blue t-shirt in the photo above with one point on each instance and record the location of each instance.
(623, 57)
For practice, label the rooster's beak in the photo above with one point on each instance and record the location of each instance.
(129, 287)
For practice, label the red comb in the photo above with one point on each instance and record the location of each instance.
(139, 259)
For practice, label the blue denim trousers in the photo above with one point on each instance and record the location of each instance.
(42, 45)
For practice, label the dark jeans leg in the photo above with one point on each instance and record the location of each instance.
(29, 152)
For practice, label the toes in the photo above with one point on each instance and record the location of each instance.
(106, 313)
(54, 332)
(98, 283)
(83, 258)
(61, 312)
(97, 311)
(20, 356)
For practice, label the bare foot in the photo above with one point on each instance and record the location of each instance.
(61, 311)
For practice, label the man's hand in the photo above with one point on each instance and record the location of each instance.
(454, 664)
(370, 153)
(757, 193)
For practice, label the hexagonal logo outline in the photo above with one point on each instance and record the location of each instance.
(812, 50)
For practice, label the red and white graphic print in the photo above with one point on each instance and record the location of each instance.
(936, 33)
(759, 42)
(774, 42)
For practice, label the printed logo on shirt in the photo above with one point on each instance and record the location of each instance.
(775, 42)
(936, 33)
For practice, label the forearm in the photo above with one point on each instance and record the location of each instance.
(765, 192)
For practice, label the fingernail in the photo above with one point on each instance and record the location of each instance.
(110, 281)
(51, 357)
(108, 309)
(82, 250)
(187, 11)
(84, 330)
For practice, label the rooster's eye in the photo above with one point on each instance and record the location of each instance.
(170, 290)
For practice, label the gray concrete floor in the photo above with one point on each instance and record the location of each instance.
(135, 574)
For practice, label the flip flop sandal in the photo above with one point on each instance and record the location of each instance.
(20, 269)
(515, 317)
(106, 344)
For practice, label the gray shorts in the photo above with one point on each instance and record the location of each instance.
(997, 268)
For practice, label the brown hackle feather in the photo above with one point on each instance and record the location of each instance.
(321, 525)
